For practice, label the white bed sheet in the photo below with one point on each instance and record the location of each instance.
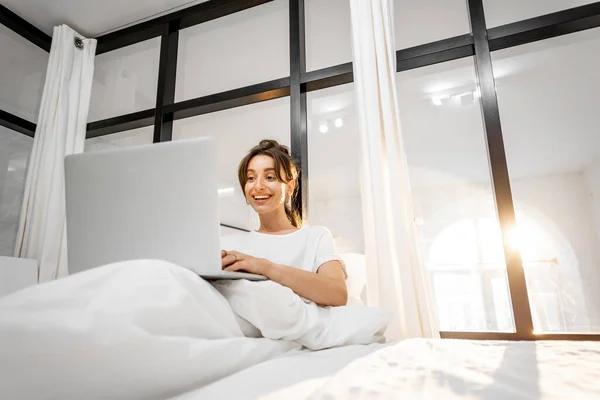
(462, 370)
(422, 369)
(273, 375)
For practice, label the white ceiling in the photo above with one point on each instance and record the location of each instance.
(416, 22)
(91, 17)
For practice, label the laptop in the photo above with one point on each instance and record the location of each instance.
(157, 201)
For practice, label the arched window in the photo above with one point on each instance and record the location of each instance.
(465, 261)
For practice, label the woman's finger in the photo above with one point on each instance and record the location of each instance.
(238, 266)
(228, 260)
(238, 256)
(223, 253)
(233, 267)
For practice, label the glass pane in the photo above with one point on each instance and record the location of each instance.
(22, 75)
(548, 108)
(14, 158)
(329, 31)
(125, 80)
(455, 214)
(333, 158)
(235, 132)
(459, 310)
(238, 50)
(500, 12)
(424, 21)
(134, 137)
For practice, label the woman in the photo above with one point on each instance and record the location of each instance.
(302, 258)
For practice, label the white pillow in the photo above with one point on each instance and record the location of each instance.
(356, 268)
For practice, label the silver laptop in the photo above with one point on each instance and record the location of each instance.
(156, 201)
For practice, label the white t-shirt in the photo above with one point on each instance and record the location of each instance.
(307, 248)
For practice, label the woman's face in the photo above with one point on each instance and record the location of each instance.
(264, 191)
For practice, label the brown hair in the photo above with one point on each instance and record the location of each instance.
(286, 169)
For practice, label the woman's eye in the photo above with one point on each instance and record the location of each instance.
(271, 178)
(250, 179)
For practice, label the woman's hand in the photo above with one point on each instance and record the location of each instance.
(326, 287)
(236, 261)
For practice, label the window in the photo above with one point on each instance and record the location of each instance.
(125, 80)
(22, 74)
(466, 268)
(235, 132)
(329, 30)
(134, 137)
(333, 158)
(500, 12)
(14, 158)
(453, 202)
(547, 101)
(241, 49)
(328, 33)
(424, 21)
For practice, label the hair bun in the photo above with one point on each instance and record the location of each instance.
(267, 144)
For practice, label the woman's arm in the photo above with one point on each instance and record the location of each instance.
(326, 287)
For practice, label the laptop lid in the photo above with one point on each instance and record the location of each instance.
(156, 201)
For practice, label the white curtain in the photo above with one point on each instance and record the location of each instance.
(60, 131)
(396, 279)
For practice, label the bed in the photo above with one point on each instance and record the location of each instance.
(277, 374)
(148, 329)
(422, 369)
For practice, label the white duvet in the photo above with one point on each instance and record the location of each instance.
(150, 329)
